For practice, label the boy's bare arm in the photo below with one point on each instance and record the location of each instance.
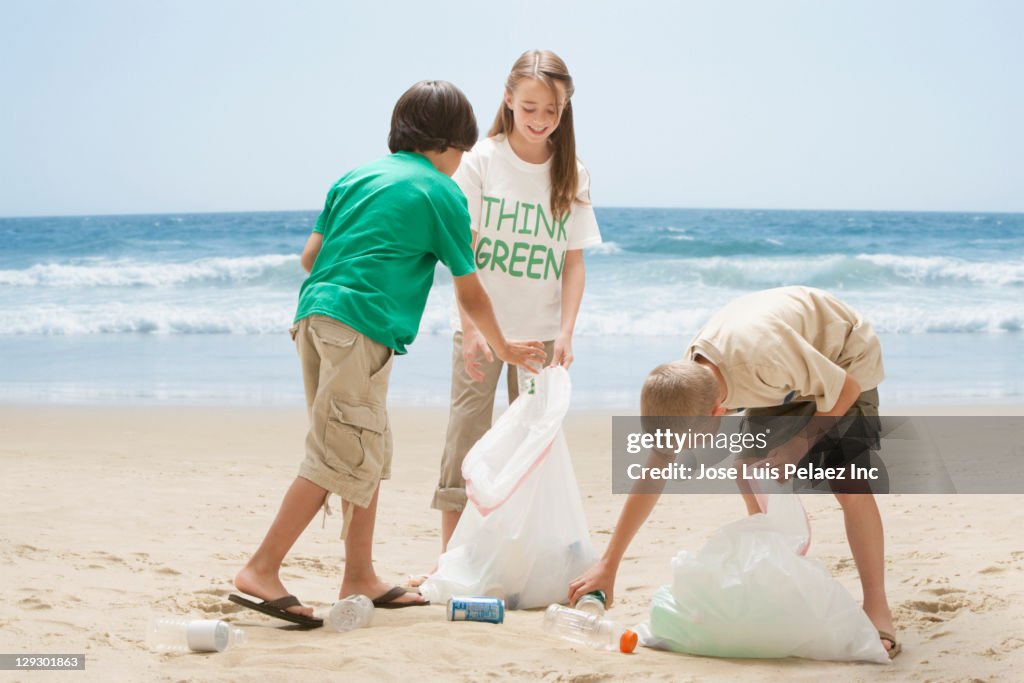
(473, 343)
(468, 327)
(311, 250)
(847, 397)
(796, 448)
(473, 299)
(635, 511)
(601, 577)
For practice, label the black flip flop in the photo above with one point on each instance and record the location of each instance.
(279, 609)
(387, 601)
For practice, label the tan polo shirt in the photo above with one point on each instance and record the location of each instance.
(789, 344)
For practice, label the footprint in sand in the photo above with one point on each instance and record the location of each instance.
(950, 601)
(1007, 646)
(168, 571)
(843, 564)
(34, 604)
(936, 606)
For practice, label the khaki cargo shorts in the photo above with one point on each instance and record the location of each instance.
(345, 373)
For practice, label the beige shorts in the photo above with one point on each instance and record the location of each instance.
(469, 418)
(345, 373)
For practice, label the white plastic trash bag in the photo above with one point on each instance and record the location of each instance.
(523, 537)
(750, 593)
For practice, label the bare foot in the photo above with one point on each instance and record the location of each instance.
(266, 587)
(416, 580)
(881, 618)
(374, 589)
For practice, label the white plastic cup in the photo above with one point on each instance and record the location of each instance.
(181, 634)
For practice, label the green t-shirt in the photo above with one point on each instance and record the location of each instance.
(385, 225)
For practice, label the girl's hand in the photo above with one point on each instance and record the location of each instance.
(473, 345)
(563, 351)
(600, 577)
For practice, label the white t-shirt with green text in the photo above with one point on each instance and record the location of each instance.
(520, 247)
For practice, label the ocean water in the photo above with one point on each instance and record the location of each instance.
(194, 309)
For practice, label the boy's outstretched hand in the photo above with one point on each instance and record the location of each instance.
(528, 355)
(474, 302)
(600, 577)
(474, 347)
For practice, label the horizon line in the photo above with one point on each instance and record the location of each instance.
(616, 206)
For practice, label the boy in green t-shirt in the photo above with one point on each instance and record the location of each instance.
(371, 261)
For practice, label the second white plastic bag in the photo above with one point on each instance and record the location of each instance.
(523, 536)
(749, 593)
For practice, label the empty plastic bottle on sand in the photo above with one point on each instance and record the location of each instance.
(353, 612)
(591, 603)
(588, 629)
(181, 634)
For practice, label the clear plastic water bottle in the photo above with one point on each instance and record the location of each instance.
(181, 634)
(353, 612)
(588, 629)
(592, 603)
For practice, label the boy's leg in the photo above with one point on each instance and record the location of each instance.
(360, 577)
(260, 576)
(863, 521)
(345, 376)
(867, 544)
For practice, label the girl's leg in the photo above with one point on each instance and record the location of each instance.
(469, 418)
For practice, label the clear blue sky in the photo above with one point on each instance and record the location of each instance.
(147, 106)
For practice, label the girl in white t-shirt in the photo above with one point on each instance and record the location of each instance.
(529, 201)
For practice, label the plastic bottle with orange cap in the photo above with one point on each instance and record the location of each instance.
(588, 629)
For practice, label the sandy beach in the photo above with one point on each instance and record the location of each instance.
(114, 515)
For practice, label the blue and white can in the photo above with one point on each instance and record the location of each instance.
(476, 608)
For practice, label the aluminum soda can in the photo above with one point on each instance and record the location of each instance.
(476, 608)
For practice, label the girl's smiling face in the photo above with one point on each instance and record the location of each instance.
(536, 110)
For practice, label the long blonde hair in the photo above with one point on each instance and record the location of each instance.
(548, 68)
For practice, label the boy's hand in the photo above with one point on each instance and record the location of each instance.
(528, 355)
(563, 351)
(600, 577)
(789, 453)
(474, 344)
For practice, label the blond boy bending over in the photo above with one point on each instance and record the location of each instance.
(791, 351)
